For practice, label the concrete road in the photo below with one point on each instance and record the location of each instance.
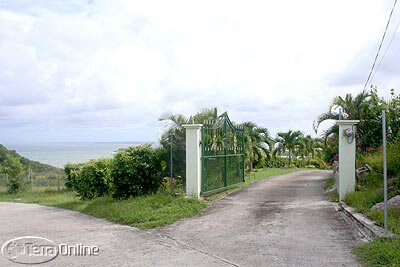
(282, 221)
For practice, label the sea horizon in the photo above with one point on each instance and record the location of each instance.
(58, 154)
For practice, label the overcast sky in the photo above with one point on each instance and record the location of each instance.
(107, 70)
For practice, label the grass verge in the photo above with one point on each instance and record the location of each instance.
(257, 174)
(332, 196)
(380, 252)
(142, 212)
(268, 172)
(365, 199)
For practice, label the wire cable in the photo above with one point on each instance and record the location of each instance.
(384, 54)
(380, 45)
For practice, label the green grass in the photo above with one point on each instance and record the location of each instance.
(257, 174)
(380, 252)
(393, 219)
(329, 183)
(364, 199)
(268, 172)
(142, 212)
(332, 196)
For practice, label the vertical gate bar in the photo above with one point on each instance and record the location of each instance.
(242, 152)
(225, 152)
(202, 189)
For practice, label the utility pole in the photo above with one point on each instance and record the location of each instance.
(171, 166)
(385, 189)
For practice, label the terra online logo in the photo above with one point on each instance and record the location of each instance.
(30, 250)
(35, 250)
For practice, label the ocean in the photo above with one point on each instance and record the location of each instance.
(59, 154)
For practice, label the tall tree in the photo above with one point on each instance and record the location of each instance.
(354, 107)
(13, 167)
(257, 141)
(173, 138)
(310, 147)
(288, 142)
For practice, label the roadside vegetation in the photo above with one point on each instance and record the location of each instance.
(367, 107)
(134, 187)
(18, 173)
(144, 212)
(380, 252)
(333, 196)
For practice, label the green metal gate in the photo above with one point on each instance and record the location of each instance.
(222, 155)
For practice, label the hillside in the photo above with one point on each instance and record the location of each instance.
(36, 167)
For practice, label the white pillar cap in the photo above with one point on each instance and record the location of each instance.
(192, 126)
(347, 122)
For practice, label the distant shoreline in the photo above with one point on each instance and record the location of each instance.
(57, 154)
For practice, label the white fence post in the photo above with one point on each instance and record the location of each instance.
(193, 159)
(347, 157)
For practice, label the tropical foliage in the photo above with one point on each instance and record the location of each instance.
(258, 144)
(133, 171)
(366, 107)
(289, 142)
(40, 169)
(13, 167)
(90, 179)
(261, 150)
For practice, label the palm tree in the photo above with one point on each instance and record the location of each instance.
(288, 141)
(173, 138)
(310, 147)
(257, 141)
(354, 107)
(206, 114)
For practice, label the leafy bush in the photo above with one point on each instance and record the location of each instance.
(137, 171)
(277, 162)
(89, 179)
(92, 179)
(375, 160)
(13, 167)
(393, 159)
(71, 170)
(318, 163)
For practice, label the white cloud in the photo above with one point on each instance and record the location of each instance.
(113, 66)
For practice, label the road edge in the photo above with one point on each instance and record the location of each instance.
(366, 227)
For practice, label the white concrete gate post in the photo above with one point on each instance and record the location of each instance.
(193, 159)
(347, 157)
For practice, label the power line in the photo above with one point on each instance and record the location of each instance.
(387, 48)
(380, 45)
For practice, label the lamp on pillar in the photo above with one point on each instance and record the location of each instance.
(347, 156)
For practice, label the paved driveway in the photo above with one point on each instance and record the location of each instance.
(282, 221)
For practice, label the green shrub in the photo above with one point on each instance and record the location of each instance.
(70, 170)
(276, 162)
(318, 163)
(13, 167)
(137, 171)
(92, 179)
(393, 159)
(88, 179)
(375, 160)
(310, 166)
